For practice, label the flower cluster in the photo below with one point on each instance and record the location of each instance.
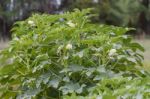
(31, 23)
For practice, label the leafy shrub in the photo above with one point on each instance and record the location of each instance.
(55, 55)
(118, 88)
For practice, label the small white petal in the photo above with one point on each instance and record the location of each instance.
(59, 48)
(65, 57)
(69, 46)
(112, 52)
(31, 23)
(71, 24)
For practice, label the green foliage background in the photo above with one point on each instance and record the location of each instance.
(116, 12)
(132, 13)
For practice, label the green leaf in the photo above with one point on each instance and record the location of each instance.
(54, 82)
(136, 46)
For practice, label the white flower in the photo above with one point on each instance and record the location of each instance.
(31, 23)
(16, 38)
(112, 52)
(69, 46)
(60, 48)
(71, 24)
(65, 57)
(79, 54)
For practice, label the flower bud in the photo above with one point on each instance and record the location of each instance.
(31, 23)
(69, 46)
(71, 24)
(112, 52)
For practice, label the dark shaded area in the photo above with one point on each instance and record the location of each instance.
(132, 13)
(144, 23)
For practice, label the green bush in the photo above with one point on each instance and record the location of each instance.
(55, 55)
(118, 88)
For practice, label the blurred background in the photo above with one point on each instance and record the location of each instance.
(126, 13)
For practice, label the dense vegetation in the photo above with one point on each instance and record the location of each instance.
(67, 56)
